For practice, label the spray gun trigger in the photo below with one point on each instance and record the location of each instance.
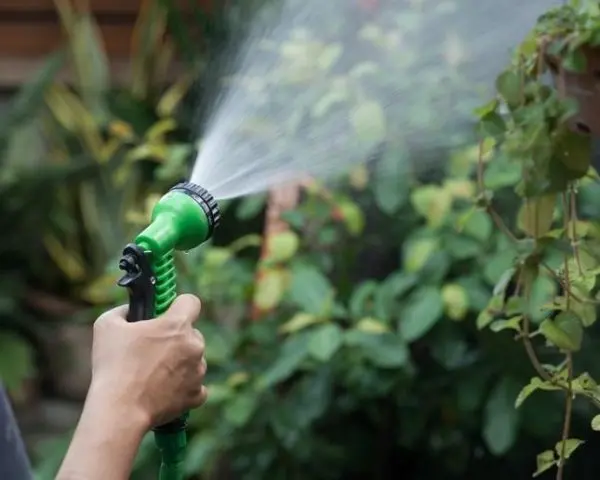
(139, 281)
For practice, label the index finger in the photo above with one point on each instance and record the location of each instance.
(118, 312)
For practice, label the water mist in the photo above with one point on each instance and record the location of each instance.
(318, 86)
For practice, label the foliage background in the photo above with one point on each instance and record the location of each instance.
(370, 362)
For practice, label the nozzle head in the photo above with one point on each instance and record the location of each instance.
(204, 200)
(182, 219)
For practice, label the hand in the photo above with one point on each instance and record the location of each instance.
(157, 366)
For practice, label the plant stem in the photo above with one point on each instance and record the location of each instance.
(568, 414)
(566, 261)
(574, 238)
(480, 167)
(533, 358)
(500, 224)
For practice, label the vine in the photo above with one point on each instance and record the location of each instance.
(539, 134)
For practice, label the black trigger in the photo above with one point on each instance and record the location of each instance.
(139, 281)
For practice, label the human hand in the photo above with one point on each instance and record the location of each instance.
(152, 367)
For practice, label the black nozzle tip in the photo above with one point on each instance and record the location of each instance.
(206, 201)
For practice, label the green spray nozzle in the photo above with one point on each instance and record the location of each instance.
(182, 219)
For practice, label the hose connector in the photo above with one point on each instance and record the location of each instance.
(184, 218)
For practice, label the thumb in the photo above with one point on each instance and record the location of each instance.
(186, 308)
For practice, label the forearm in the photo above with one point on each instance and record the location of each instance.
(106, 439)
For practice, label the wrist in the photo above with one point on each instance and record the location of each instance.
(115, 406)
(107, 437)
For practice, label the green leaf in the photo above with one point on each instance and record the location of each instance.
(491, 310)
(543, 291)
(585, 310)
(565, 331)
(330, 55)
(489, 107)
(501, 173)
(504, 281)
(372, 325)
(450, 350)
(585, 384)
(544, 461)
(353, 216)
(298, 322)
(512, 324)
(501, 420)
(569, 445)
(307, 402)
(433, 203)
(293, 354)
(508, 85)
(310, 290)
(90, 63)
(538, 214)
(417, 253)
(270, 289)
(216, 257)
(283, 246)
(200, 452)
(325, 341)
(16, 361)
(574, 151)
(240, 409)
(391, 181)
(484, 318)
(424, 309)
(30, 97)
(496, 266)
(324, 105)
(456, 301)
(534, 384)
(384, 350)
(369, 122)
(363, 294)
(478, 226)
(219, 394)
(596, 423)
(390, 291)
(219, 345)
(575, 61)
(492, 124)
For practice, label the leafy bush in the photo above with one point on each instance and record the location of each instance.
(348, 375)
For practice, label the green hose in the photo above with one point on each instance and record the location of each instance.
(171, 444)
(172, 450)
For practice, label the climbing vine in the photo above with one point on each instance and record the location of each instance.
(536, 133)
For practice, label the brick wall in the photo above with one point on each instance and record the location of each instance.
(29, 30)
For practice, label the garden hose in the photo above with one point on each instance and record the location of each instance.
(182, 219)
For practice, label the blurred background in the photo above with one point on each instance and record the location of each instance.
(102, 103)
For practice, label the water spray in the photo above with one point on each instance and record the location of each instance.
(183, 219)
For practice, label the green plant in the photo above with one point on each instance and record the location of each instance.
(549, 292)
(129, 133)
(343, 367)
(25, 199)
